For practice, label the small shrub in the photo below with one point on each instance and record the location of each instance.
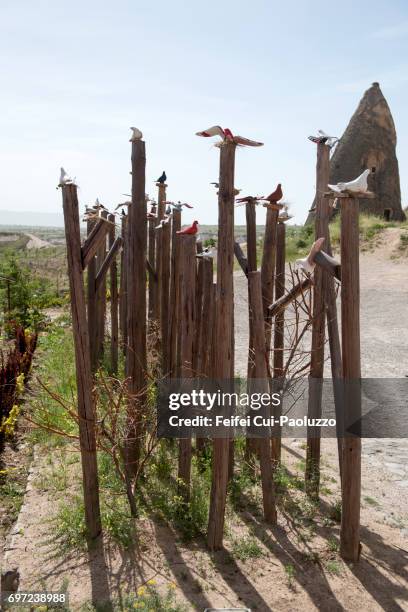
(246, 548)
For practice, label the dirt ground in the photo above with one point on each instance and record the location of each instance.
(299, 568)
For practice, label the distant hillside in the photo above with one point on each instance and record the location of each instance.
(31, 218)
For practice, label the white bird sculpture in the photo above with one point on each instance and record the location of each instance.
(209, 252)
(65, 179)
(359, 185)
(162, 223)
(136, 134)
(226, 135)
(307, 264)
(179, 206)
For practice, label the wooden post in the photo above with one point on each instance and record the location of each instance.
(123, 286)
(250, 210)
(268, 270)
(312, 473)
(152, 261)
(113, 301)
(224, 357)
(165, 295)
(174, 291)
(161, 210)
(262, 386)
(136, 364)
(198, 309)
(91, 295)
(86, 412)
(205, 357)
(350, 333)
(279, 330)
(187, 323)
(100, 299)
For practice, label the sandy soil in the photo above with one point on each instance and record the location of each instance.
(318, 579)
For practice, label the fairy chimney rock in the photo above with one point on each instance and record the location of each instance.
(369, 142)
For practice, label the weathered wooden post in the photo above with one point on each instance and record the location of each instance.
(136, 362)
(100, 297)
(250, 212)
(123, 285)
(165, 295)
(312, 473)
(224, 358)
(350, 334)
(205, 356)
(152, 222)
(86, 414)
(175, 292)
(92, 309)
(261, 381)
(113, 299)
(279, 330)
(187, 324)
(198, 308)
(161, 210)
(204, 353)
(268, 268)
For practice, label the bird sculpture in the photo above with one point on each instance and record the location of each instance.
(179, 206)
(284, 215)
(324, 138)
(122, 204)
(191, 229)
(227, 136)
(248, 200)
(168, 210)
(162, 179)
(151, 215)
(358, 185)
(65, 179)
(275, 196)
(216, 185)
(162, 223)
(209, 253)
(136, 134)
(307, 264)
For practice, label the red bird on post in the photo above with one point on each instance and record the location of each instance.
(191, 229)
(275, 196)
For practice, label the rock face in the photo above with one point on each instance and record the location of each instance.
(369, 142)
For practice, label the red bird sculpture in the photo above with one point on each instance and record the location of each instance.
(191, 229)
(275, 196)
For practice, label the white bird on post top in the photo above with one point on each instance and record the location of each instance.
(65, 179)
(136, 135)
(226, 135)
(359, 185)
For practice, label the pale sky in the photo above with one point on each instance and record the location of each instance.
(75, 75)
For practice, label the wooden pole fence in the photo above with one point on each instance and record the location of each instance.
(187, 323)
(261, 380)
(86, 414)
(136, 359)
(312, 472)
(224, 358)
(350, 333)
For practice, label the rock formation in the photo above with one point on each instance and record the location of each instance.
(369, 142)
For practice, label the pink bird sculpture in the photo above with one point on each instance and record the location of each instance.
(225, 134)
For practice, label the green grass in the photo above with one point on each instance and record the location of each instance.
(246, 548)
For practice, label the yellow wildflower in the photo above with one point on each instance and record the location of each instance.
(172, 585)
(141, 590)
(151, 581)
